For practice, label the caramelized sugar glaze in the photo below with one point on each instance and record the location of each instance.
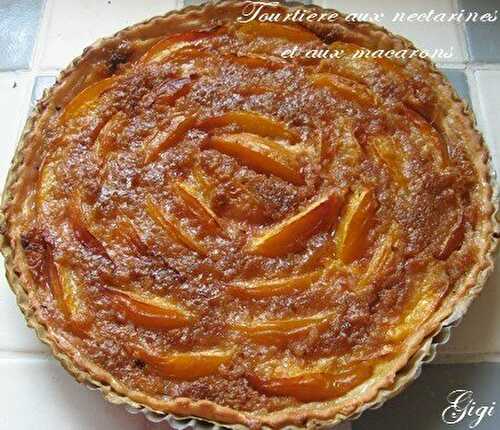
(213, 221)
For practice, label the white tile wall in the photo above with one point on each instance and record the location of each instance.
(37, 393)
(478, 333)
(14, 334)
(14, 90)
(488, 85)
(68, 30)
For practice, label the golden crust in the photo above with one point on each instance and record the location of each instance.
(396, 374)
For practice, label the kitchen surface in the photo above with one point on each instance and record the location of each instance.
(38, 38)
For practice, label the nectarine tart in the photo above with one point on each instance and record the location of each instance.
(201, 224)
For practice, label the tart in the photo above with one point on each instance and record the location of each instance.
(201, 225)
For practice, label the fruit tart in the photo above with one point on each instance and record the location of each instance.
(202, 225)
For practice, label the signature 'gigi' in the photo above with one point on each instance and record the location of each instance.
(462, 405)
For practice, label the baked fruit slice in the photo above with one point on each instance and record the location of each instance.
(199, 225)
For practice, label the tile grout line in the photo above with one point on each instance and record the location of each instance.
(477, 105)
(463, 64)
(451, 66)
(39, 45)
(32, 72)
(16, 354)
(466, 358)
(485, 66)
(462, 33)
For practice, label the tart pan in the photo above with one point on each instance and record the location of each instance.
(409, 364)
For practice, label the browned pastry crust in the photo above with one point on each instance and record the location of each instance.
(447, 112)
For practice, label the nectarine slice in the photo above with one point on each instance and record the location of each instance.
(383, 256)
(46, 184)
(253, 90)
(87, 98)
(429, 138)
(292, 233)
(252, 122)
(355, 224)
(176, 90)
(345, 89)
(172, 228)
(66, 290)
(170, 44)
(79, 219)
(432, 285)
(188, 54)
(196, 203)
(279, 332)
(258, 62)
(309, 384)
(454, 238)
(167, 138)
(150, 312)
(273, 287)
(203, 183)
(130, 233)
(188, 365)
(391, 155)
(360, 63)
(292, 33)
(261, 154)
(107, 139)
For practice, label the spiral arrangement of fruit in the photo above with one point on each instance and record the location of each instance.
(214, 221)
